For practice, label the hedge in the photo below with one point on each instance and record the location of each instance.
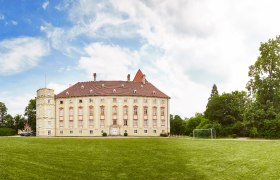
(7, 132)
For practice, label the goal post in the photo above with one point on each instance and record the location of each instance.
(204, 133)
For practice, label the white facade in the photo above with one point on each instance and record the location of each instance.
(84, 116)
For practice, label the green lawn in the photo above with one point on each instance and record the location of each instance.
(137, 158)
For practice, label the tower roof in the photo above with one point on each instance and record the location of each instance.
(138, 76)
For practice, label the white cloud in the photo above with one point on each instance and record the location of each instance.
(20, 54)
(186, 46)
(57, 87)
(13, 22)
(45, 5)
(108, 61)
(15, 103)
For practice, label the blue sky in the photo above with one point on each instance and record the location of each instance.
(182, 46)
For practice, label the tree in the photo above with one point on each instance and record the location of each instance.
(9, 121)
(3, 113)
(30, 113)
(264, 83)
(19, 122)
(178, 125)
(198, 121)
(214, 92)
(225, 110)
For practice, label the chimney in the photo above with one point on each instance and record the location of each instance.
(144, 79)
(128, 77)
(94, 76)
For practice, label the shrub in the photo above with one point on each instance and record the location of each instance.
(104, 134)
(253, 132)
(125, 134)
(163, 134)
(7, 132)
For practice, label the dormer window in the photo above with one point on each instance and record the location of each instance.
(67, 93)
(114, 90)
(103, 85)
(154, 92)
(91, 91)
(135, 91)
(82, 87)
(122, 85)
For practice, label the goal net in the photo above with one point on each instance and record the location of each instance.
(204, 133)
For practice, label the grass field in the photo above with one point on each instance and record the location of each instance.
(137, 158)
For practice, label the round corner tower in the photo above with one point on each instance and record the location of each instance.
(45, 112)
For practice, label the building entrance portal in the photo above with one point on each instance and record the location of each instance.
(115, 131)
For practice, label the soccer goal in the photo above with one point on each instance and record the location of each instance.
(204, 133)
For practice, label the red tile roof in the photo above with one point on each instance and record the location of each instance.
(113, 88)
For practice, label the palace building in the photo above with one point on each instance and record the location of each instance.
(94, 107)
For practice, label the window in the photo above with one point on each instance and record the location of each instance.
(162, 111)
(115, 110)
(80, 123)
(125, 110)
(163, 131)
(125, 100)
(90, 123)
(61, 112)
(70, 123)
(154, 122)
(80, 101)
(145, 122)
(90, 111)
(162, 122)
(90, 100)
(114, 122)
(102, 122)
(114, 100)
(49, 113)
(154, 111)
(61, 102)
(80, 131)
(49, 132)
(145, 111)
(135, 100)
(135, 131)
(125, 122)
(135, 110)
(49, 101)
(162, 102)
(49, 124)
(71, 112)
(91, 132)
(80, 111)
(71, 132)
(61, 123)
(102, 110)
(145, 100)
(155, 101)
(135, 122)
(70, 101)
(61, 132)
(155, 131)
(145, 131)
(102, 100)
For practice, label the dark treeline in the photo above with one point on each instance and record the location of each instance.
(254, 113)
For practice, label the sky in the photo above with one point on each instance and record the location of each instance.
(183, 46)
